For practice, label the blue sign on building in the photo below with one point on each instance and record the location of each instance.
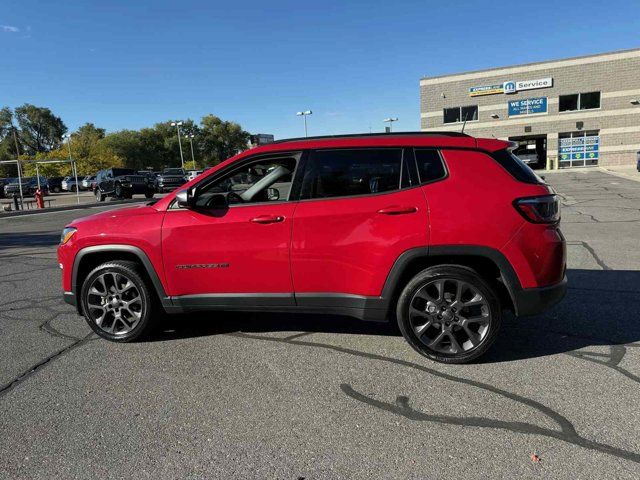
(585, 148)
(527, 106)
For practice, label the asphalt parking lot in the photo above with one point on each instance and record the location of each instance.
(274, 396)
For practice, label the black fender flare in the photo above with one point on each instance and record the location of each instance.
(115, 248)
(507, 274)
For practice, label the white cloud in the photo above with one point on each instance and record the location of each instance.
(9, 29)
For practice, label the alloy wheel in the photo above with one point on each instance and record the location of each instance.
(450, 316)
(114, 303)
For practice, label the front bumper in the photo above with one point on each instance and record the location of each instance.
(532, 301)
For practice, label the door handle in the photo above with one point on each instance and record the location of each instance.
(264, 219)
(397, 210)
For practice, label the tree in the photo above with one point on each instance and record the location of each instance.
(40, 129)
(221, 139)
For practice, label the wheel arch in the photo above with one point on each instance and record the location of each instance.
(90, 257)
(489, 263)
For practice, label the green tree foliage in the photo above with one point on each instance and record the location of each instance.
(221, 139)
(40, 129)
(39, 134)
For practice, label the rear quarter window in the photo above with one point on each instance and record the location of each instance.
(516, 167)
(430, 165)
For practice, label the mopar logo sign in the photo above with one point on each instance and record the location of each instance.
(527, 106)
(510, 87)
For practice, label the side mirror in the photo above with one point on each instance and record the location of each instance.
(184, 199)
(273, 194)
(218, 200)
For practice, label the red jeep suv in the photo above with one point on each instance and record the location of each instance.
(442, 231)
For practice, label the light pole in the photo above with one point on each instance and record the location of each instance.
(177, 125)
(304, 116)
(74, 167)
(390, 121)
(193, 159)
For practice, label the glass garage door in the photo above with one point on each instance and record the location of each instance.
(579, 149)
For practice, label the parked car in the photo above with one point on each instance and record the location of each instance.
(55, 184)
(87, 182)
(191, 174)
(170, 179)
(121, 183)
(69, 183)
(379, 227)
(29, 186)
(3, 182)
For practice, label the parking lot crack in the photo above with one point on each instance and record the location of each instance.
(567, 432)
(25, 375)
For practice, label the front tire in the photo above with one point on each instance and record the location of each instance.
(148, 194)
(99, 195)
(449, 314)
(116, 302)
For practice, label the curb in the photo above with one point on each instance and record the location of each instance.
(24, 213)
(621, 175)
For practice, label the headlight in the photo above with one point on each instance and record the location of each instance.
(67, 233)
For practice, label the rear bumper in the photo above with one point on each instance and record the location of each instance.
(532, 301)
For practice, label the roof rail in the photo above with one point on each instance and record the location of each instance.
(381, 134)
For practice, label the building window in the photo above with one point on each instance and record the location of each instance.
(579, 101)
(460, 114)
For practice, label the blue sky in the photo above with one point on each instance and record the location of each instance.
(129, 64)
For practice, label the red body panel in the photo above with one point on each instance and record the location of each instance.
(340, 245)
(137, 226)
(257, 254)
(344, 245)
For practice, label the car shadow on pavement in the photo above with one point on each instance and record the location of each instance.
(600, 310)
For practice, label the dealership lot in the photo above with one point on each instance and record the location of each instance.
(274, 396)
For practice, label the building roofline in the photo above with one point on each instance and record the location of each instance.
(525, 65)
(369, 135)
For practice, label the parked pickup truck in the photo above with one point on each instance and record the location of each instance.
(121, 183)
(170, 179)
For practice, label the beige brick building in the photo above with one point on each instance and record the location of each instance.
(581, 111)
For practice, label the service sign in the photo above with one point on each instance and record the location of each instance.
(534, 84)
(486, 90)
(511, 86)
(527, 106)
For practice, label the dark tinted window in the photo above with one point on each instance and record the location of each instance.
(340, 173)
(451, 115)
(516, 167)
(430, 166)
(469, 113)
(589, 100)
(568, 102)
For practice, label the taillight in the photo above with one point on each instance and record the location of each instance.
(545, 209)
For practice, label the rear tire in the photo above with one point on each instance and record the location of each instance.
(116, 302)
(449, 314)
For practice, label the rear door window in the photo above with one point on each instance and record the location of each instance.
(350, 172)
